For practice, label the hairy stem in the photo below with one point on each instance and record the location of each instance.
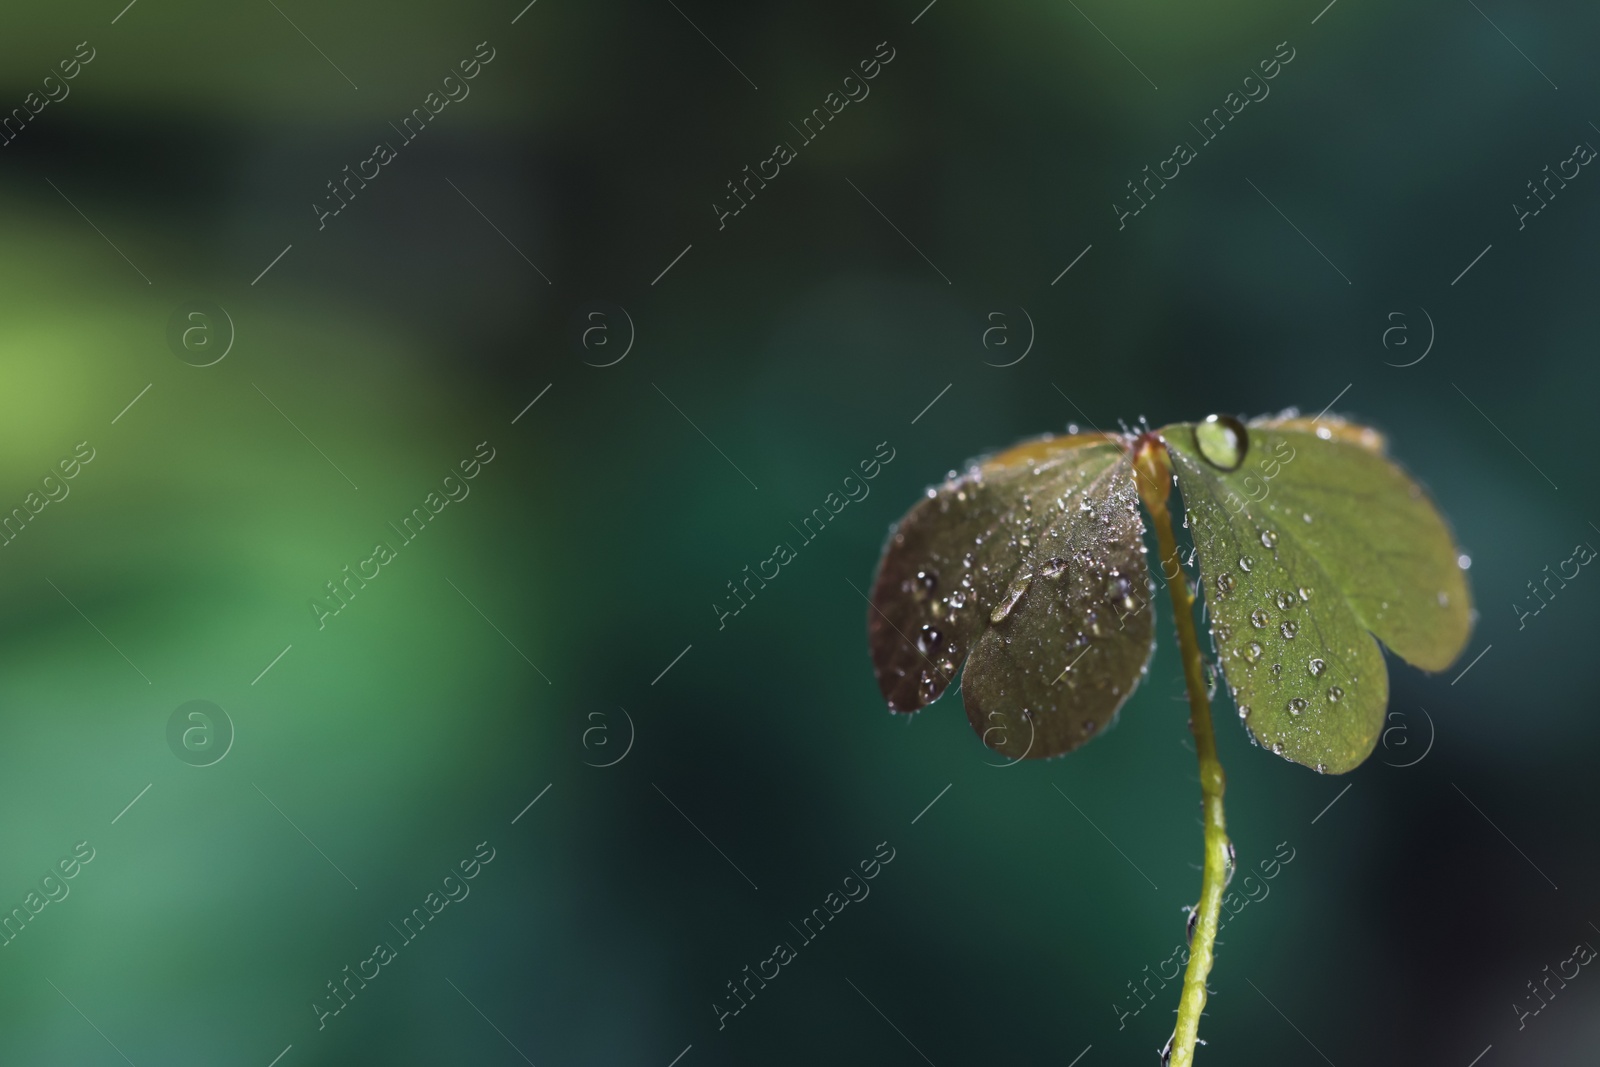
(1155, 486)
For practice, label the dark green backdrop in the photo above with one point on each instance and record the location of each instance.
(562, 234)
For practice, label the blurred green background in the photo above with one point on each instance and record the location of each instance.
(560, 617)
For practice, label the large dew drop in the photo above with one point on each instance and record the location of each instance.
(1222, 440)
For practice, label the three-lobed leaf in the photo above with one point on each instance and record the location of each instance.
(1030, 567)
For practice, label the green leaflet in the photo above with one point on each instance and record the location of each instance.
(1033, 563)
(1309, 547)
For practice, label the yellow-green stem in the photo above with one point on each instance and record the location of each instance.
(1155, 486)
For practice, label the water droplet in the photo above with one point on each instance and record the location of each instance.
(1222, 633)
(1316, 667)
(927, 581)
(1277, 749)
(1244, 712)
(1269, 538)
(1285, 600)
(948, 666)
(1289, 629)
(957, 600)
(1054, 567)
(1224, 585)
(1222, 440)
(1324, 433)
(1444, 599)
(1297, 705)
(1321, 768)
(1335, 694)
(1232, 863)
(1277, 670)
(1245, 563)
(1305, 594)
(1013, 594)
(929, 640)
(1252, 651)
(1259, 618)
(1464, 561)
(1306, 515)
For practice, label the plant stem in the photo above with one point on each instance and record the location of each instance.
(1155, 486)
